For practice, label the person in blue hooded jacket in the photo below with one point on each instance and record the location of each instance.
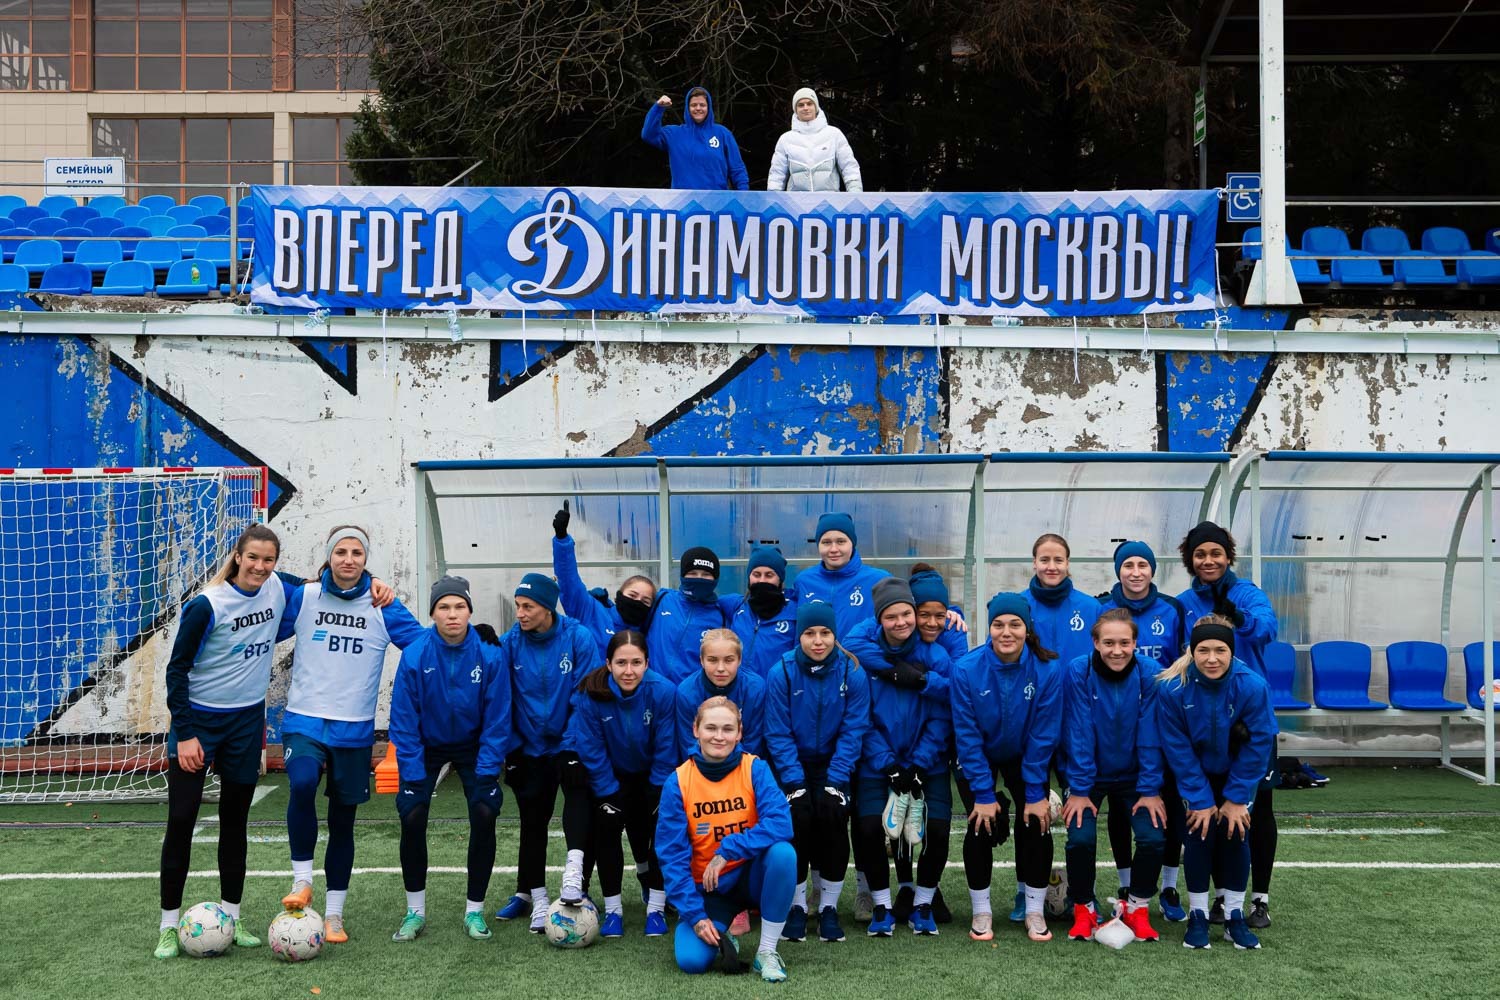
(723, 675)
(546, 654)
(624, 731)
(1218, 733)
(1111, 753)
(841, 579)
(765, 618)
(682, 616)
(1007, 702)
(1208, 554)
(905, 758)
(702, 154)
(631, 607)
(937, 620)
(1062, 614)
(817, 712)
(451, 704)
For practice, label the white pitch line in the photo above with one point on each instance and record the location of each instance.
(1405, 831)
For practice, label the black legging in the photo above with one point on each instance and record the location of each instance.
(1171, 855)
(1118, 823)
(184, 797)
(481, 860)
(1263, 836)
(638, 822)
(820, 844)
(869, 853)
(1033, 848)
(536, 799)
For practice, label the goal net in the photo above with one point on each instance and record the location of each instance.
(94, 565)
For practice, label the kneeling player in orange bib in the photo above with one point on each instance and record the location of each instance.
(723, 837)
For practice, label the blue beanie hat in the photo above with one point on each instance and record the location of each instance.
(1010, 604)
(769, 557)
(1127, 550)
(928, 586)
(836, 520)
(813, 613)
(539, 588)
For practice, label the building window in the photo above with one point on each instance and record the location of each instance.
(35, 47)
(182, 45)
(332, 51)
(167, 153)
(318, 151)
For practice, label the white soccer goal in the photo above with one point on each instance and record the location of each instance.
(94, 565)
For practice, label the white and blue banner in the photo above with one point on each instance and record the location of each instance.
(812, 254)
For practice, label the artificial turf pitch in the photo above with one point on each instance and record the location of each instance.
(1341, 931)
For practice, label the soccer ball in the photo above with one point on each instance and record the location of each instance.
(572, 925)
(296, 935)
(1056, 905)
(1054, 805)
(1494, 687)
(206, 930)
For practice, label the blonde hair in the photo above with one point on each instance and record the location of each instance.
(722, 635)
(254, 533)
(1179, 666)
(718, 701)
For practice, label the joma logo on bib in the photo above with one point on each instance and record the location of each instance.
(255, 618)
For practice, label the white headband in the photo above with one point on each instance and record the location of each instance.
(354, 533)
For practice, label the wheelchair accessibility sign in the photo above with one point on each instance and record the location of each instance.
(1242, 198)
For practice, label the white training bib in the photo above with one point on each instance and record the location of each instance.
(233, 666)
(339, 657)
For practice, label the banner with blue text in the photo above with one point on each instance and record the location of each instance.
(809, 254)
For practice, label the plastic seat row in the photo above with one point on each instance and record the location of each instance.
(1417, 674)
(182, 215)
(112, 205)
(123, 244)
(1366, 268)
(124, 277)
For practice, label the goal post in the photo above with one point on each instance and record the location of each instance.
(94, 566)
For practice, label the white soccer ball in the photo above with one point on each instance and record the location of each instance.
(296, 935)
(1056, 905)
(572, 925)
(1054, 806)
(206, 930)
(1494, 688)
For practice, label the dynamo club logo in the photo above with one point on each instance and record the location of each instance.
(567, 247)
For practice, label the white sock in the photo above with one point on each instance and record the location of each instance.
(1136, 902)
(1124, 874)
(861, 884)
(979, 900)
(333, 902)
(301, 871)
(524, 895)
(169, 918)
(799, 895)
(906, 885)
(923, 895)
(472, 907)
(416, 902)
(575, 858)
(828, 893)
(882, 897)
(770, 934)
(612, 904)
(1234, 901)
(233, 909)
(1198, 901)
(539, 901)
(1035, 898)
(1218, 894)
(1169, 878)
(656, 900)
(1261, 897)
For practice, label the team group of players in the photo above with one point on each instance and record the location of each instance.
(741, 743)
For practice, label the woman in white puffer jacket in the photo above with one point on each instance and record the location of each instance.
(813, 156)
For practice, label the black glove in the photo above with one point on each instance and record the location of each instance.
(411, 795)
(897, 777)
(832, 806)
(801, 803)
(487, 634)
(908, 675)
(515, 769)
(1224, 606)
(1239, 735)
(879, 668)
(571, 772)
(912, 779)
(486, 792)
(560, 521)
(612, 806)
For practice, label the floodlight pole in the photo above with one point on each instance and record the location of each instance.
(1272, 283)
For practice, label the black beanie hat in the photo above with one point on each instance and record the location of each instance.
(699, 557)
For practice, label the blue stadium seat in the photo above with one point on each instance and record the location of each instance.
(70, 246)
(129, 236)
(184, 215)
(1281, 670)
(37, 255)
(189, 277)
(1475, 267)
(157, 204)
(1388, 241)
(188, 235)
(26, 214)
(160, 254)
(56, 204)
(13, 278)
(1418, 672)
(1329, 241)
(46, 225)
(10, 242)
(158, 225)
(132, 215)
(97, 255)
(209, 204)
(102, 226)
(79, 215)
(1491, 240)
(67, 279)
(1474, 673)
(1252, 235)
(1341, 677)
(107, 205)
(1304, 269)
(128, 277)
(214, 225)
(9, 203)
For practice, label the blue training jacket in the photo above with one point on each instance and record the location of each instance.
(576, 600)
(1194, 716)
(765, 642)
(816, 714)
(674, 852)
(866, 643)
(1251, 638)
(675, 638)
(1006, 711)
(747, 691)
(631, 734)
(1062, 618)
(1109, 729)
(1159, 618)
(847, 589)
(450, 698)
(544, 670)
(702, 157)
(909, 728)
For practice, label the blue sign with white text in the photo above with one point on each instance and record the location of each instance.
(803, 253)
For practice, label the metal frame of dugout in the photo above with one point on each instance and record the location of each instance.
(974, 518)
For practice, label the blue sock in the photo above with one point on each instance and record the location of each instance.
(302, 809)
